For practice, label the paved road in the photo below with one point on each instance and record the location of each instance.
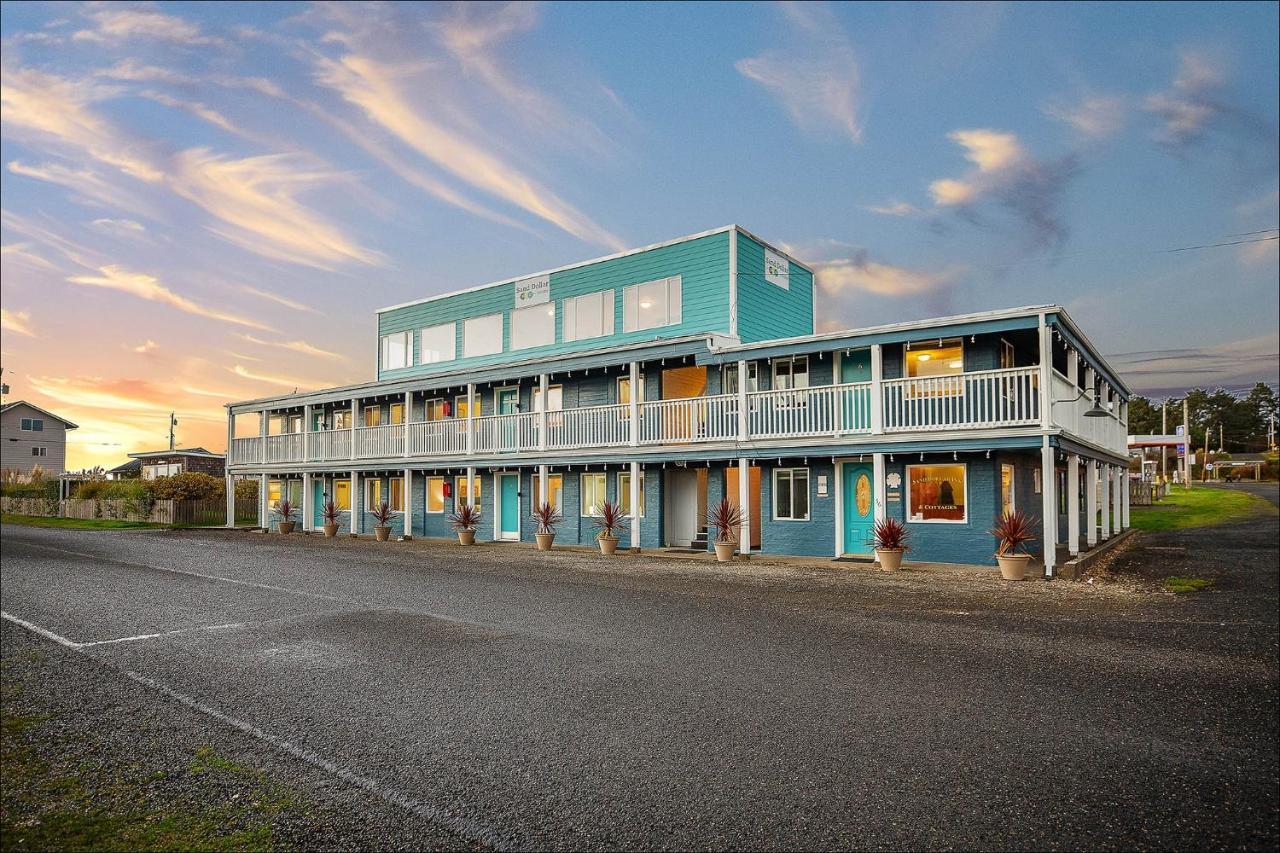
(1270, 491)
(559, 701)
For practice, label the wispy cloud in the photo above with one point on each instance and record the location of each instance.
(296, 346)
(21, 253)
(120, 227)
(815, 75)
(1093, 117)
(18, 322)
(1231, 362)
(272, 379)
(894, 208)
(115, 277)
(1191, 104)
(278, 299)
(117, 24)
(860, 273)
(146, 346)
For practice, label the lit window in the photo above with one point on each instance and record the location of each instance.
(594, 493)
(791, 372)
(372, 493)
(1007, 500)
(460, 406)
(372, 416)
(945, 360)
(342, 495)
(435, 495)
(651, 305)
(435, 410)
(624, 390)
(555, 398)
(482, 335)
(791, 494)
(396, 493)
(397, 413)
(731, 377)
(342, 419)
(936, 493)
(273, 493)
(395, 350)
(438, 343)
(533, 326)
(588, 316)
(555, 491)
(463, 494)
(624, 493)
(1007, 356)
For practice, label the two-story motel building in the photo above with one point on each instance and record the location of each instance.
(666, 377)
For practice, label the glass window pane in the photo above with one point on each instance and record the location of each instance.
(593, 493)
(936, 492)
(435, 494)
(782, 494)
(397, 494)
(533, 326)
(482, 335)
(342, 494)
(800, 494)
(438, 343)
(946, 360)
(624, 493)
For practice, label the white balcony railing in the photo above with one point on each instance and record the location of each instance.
(989, 398)
(980, 400)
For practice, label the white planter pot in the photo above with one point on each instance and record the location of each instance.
(1013, 567)
(608, 545)
(544, 540)
(286, 526)
(890, 560)
(382, 533)
(467, 537)
(724, 551)
(330, 530)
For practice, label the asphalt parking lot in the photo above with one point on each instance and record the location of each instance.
(516, 700)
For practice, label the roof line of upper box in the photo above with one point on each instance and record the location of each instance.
(589, 262)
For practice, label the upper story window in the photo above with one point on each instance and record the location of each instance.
(396, 348)
(588, 316)
(1007, 356)
(791, 372)
(946, 359)
(624, 390)
(438, 343)
(533, 326)
(651, 305)
(32, 425)
(731, 377)
(482, 335)
(284, 424)
(372, 416)
(342, 419)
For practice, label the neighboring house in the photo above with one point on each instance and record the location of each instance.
(31, 437)
(130, 470)
(167, 463)
(666, 377)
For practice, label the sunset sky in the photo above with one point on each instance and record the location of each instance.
(205, 203)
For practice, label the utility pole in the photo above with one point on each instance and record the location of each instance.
(1186, 448)
(173, 422)
(1164, 449)
(1222, 445)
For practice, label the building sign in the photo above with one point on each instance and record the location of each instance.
(936, 492)
(822, 485)
(533, 291)
(893, 484)
(777, 269)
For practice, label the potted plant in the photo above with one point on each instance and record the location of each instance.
(889, 539)
(725, 519)
(286, 512)
(1013, 530)
(382, 514)
(547, 517)
(464, 520)
(611, 522)
(329, 512)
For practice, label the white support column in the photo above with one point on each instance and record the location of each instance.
(355, 405)
(1117, 508)
(263, 515)
(744, 419)
(635, 506)
(1073, 504)
(471, 489)
(634, 403)
(408, 494)
(544, 389)
(1049, 507)
(308, 511)
(408, 415)
(877, 401)
(1046, 378)
(1091, 503)
(1104, 475)
(262, 436)
(471, 418)
(306, 437)
(226, 468)
(544, 489)
(231, 501)
(879, 508)
(356, 501)
(1124, 501)
(744, 502)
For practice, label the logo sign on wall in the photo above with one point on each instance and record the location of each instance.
(533, 291)
(777, 269)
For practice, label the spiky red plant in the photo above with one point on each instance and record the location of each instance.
(465, 517)
(286, 509)
(611, 522)
(889, 534)
(547, 517)
(330, 512)
(383, 513)
(1013, 530)
(725, 518)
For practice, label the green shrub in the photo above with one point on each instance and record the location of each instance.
(188, 486)
(247, 489)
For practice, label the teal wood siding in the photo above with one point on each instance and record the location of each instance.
(702, 264)
(812, 538)
(766, 311)
(969, 542)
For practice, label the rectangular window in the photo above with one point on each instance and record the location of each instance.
(944, 360)
(791, 494)
(342, 419)
(372, 493)
(342, 495)
(462, 496)
(624, 493)
(1007, 356)
(438, 343)
(435, 410)
(460, 406)
(555, 491)
(372, 416)
(39, 451)
(588, 316)
(152, 470)
(936, 493)
(731, 377)
(396, 493)
(651, 305)
(1008, 502)
(435, 495)
(32, 425)
(791, 372)
(397, 413)
(624, 390)
(482, 335)
(594, 491)
(273, 493)
(533, 326)
(395, 350)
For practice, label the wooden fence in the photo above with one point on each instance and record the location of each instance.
(1146, 494)
(196, 513)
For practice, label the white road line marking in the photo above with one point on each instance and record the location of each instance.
(72, 644)
(462, 826)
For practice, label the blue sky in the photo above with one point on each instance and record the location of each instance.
(206, 202)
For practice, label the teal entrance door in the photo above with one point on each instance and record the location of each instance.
(859, 501)
(855, 366)
(508, 506)
(508, 402)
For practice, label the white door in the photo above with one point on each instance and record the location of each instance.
(681, 507)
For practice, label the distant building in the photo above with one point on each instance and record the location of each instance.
(166, 463)
(130, 470)
(31, 437)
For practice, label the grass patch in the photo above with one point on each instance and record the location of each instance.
(1180, 584)
(1198, 507)
(75, 523)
